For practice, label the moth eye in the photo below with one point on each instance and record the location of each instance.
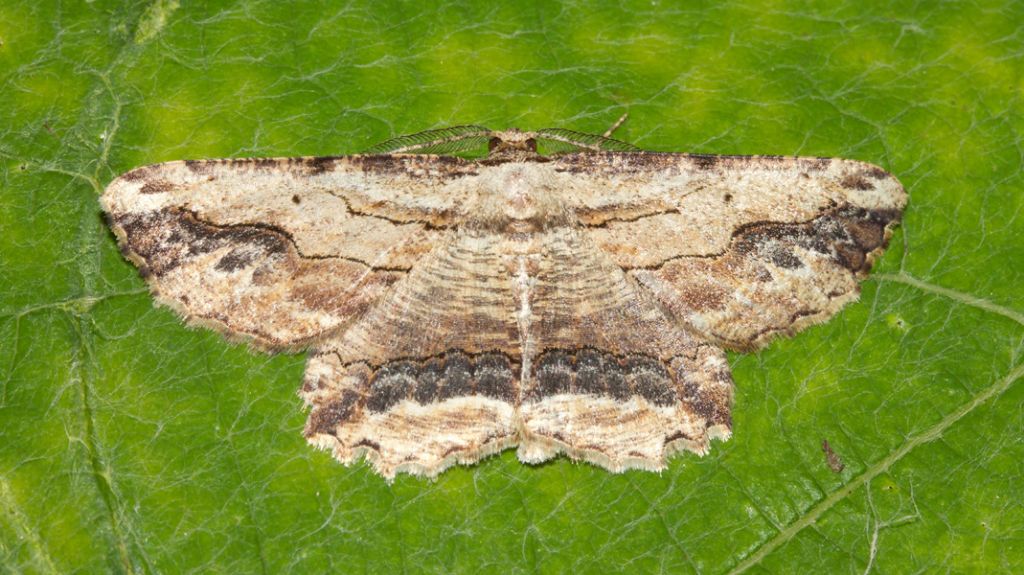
(531, 144)
(493, 143)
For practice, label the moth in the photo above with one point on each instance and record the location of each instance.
(562, 292)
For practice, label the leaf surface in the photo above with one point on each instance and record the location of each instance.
(132, 444)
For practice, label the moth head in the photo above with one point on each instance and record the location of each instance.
(511, 143)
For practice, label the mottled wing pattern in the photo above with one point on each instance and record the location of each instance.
(739, 248)
(612, 379)
(491, 342)
(282, 251)
(576, 304)
(429, 376)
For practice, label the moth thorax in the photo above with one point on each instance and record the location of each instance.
(525, 196)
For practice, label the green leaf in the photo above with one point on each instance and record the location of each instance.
(130, 443)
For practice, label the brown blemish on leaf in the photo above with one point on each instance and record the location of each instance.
(833, 460)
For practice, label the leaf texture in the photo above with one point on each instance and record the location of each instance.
(130, 443)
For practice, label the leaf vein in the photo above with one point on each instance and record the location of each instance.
(884, 464)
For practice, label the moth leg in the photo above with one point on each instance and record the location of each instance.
(625, 413)
(418, 417)
(611, 130)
